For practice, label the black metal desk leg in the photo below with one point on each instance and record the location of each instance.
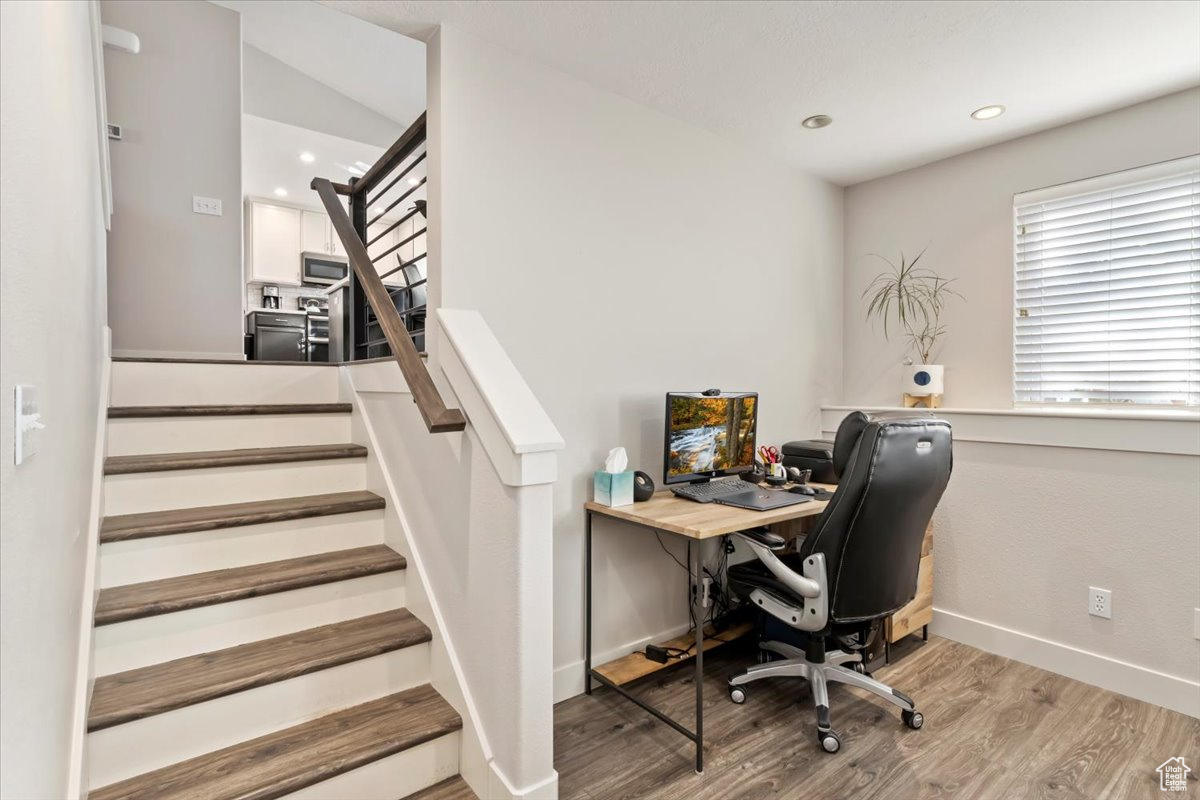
(587, 605)
(699, 604)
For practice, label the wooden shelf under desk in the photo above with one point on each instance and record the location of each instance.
(627, 669)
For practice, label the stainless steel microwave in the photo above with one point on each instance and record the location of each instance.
(322, 268)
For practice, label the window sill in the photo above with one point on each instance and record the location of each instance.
(1074, 412)
(1169, 431)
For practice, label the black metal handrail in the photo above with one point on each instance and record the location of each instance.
(377, 326)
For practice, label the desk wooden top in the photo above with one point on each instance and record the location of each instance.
(666, 512)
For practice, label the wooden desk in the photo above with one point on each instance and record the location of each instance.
(695, 522)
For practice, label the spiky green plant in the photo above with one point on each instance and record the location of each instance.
(913, 298)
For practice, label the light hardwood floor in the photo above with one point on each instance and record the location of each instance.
(994, 728)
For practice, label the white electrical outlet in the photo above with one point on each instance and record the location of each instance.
(206, 205)
(1099, 602)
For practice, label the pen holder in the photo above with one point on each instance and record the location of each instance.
(614, 489)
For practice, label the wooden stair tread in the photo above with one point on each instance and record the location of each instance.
(201, 459)
(454, 788)
(137, 600)
(128, 412)
(139, 693)
(285, 761)
(124, 527)
(242, 361)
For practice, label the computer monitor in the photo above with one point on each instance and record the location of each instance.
(709, 435)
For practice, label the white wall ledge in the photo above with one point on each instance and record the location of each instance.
(1169, 431)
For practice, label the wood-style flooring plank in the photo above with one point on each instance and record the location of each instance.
(994, 729)
(204, 459)
(450, 789)
(136, 600)
(139, 693)
(286, 761)
(124, 527)
(135, 412)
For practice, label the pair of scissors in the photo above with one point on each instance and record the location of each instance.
(769, 453)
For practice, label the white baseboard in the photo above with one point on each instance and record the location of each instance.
(1141, 683)
(77, 767)
(500, 789)
(128, 353)
(568, 679)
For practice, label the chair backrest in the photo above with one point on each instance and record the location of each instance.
(893, 472)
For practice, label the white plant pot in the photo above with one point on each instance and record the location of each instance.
(923, 379)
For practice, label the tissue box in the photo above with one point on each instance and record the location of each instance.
(614, 488)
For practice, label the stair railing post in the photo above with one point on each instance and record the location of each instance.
(357, 305)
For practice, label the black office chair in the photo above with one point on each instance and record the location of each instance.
(857, 565)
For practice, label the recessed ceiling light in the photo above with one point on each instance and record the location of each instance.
(281, 192)
(362, 165)
(307, 158)
(355, 171)
(987, 112)
(413, 181)
(818, 121)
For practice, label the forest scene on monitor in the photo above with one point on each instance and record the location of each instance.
(710, 433)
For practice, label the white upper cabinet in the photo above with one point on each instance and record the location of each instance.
(274, 235)
(335, 241)
(314, 232)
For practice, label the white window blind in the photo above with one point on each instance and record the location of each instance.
(1108, 290)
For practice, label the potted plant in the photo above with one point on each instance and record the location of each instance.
(913, 299)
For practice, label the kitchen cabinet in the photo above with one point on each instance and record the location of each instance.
(315, 231)
(318, 235)
(274, 235)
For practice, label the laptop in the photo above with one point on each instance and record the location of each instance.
(761, 499)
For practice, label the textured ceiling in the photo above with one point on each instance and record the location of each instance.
(382, 71)
(899, 78)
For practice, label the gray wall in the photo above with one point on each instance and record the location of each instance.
(175, 277)
(1024, 518)
(51, 279)
(280, 92)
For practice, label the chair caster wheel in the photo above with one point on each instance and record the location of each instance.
(861, 669)
(830, 741)
(737, 694)
(913, 719)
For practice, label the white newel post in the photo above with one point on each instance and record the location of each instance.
(512, 543)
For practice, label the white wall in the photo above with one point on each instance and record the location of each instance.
(51, 269)
(1026, 528)
(619, 254)
(175, 277)
(277, 91)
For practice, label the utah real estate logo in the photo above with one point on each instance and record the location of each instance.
(1172, 775)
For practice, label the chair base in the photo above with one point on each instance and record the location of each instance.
(819, 674)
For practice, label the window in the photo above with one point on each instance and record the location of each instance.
(1108, 290)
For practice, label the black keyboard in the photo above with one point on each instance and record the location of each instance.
(707, 492)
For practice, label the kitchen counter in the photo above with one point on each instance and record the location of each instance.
(275, 311)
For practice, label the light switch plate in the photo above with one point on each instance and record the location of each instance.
(206, 205)
(27, 422)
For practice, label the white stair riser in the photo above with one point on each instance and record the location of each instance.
(186, 488)
(140, 435)
(133, 748)
(397, 775)
(152, 640)
(150, 559)
(158, 384)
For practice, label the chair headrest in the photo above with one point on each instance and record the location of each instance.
(852, 427)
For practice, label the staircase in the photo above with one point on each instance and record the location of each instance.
(251, 638)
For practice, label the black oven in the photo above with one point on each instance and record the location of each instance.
(321, 269)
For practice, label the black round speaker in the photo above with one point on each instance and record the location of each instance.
(643, 486)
